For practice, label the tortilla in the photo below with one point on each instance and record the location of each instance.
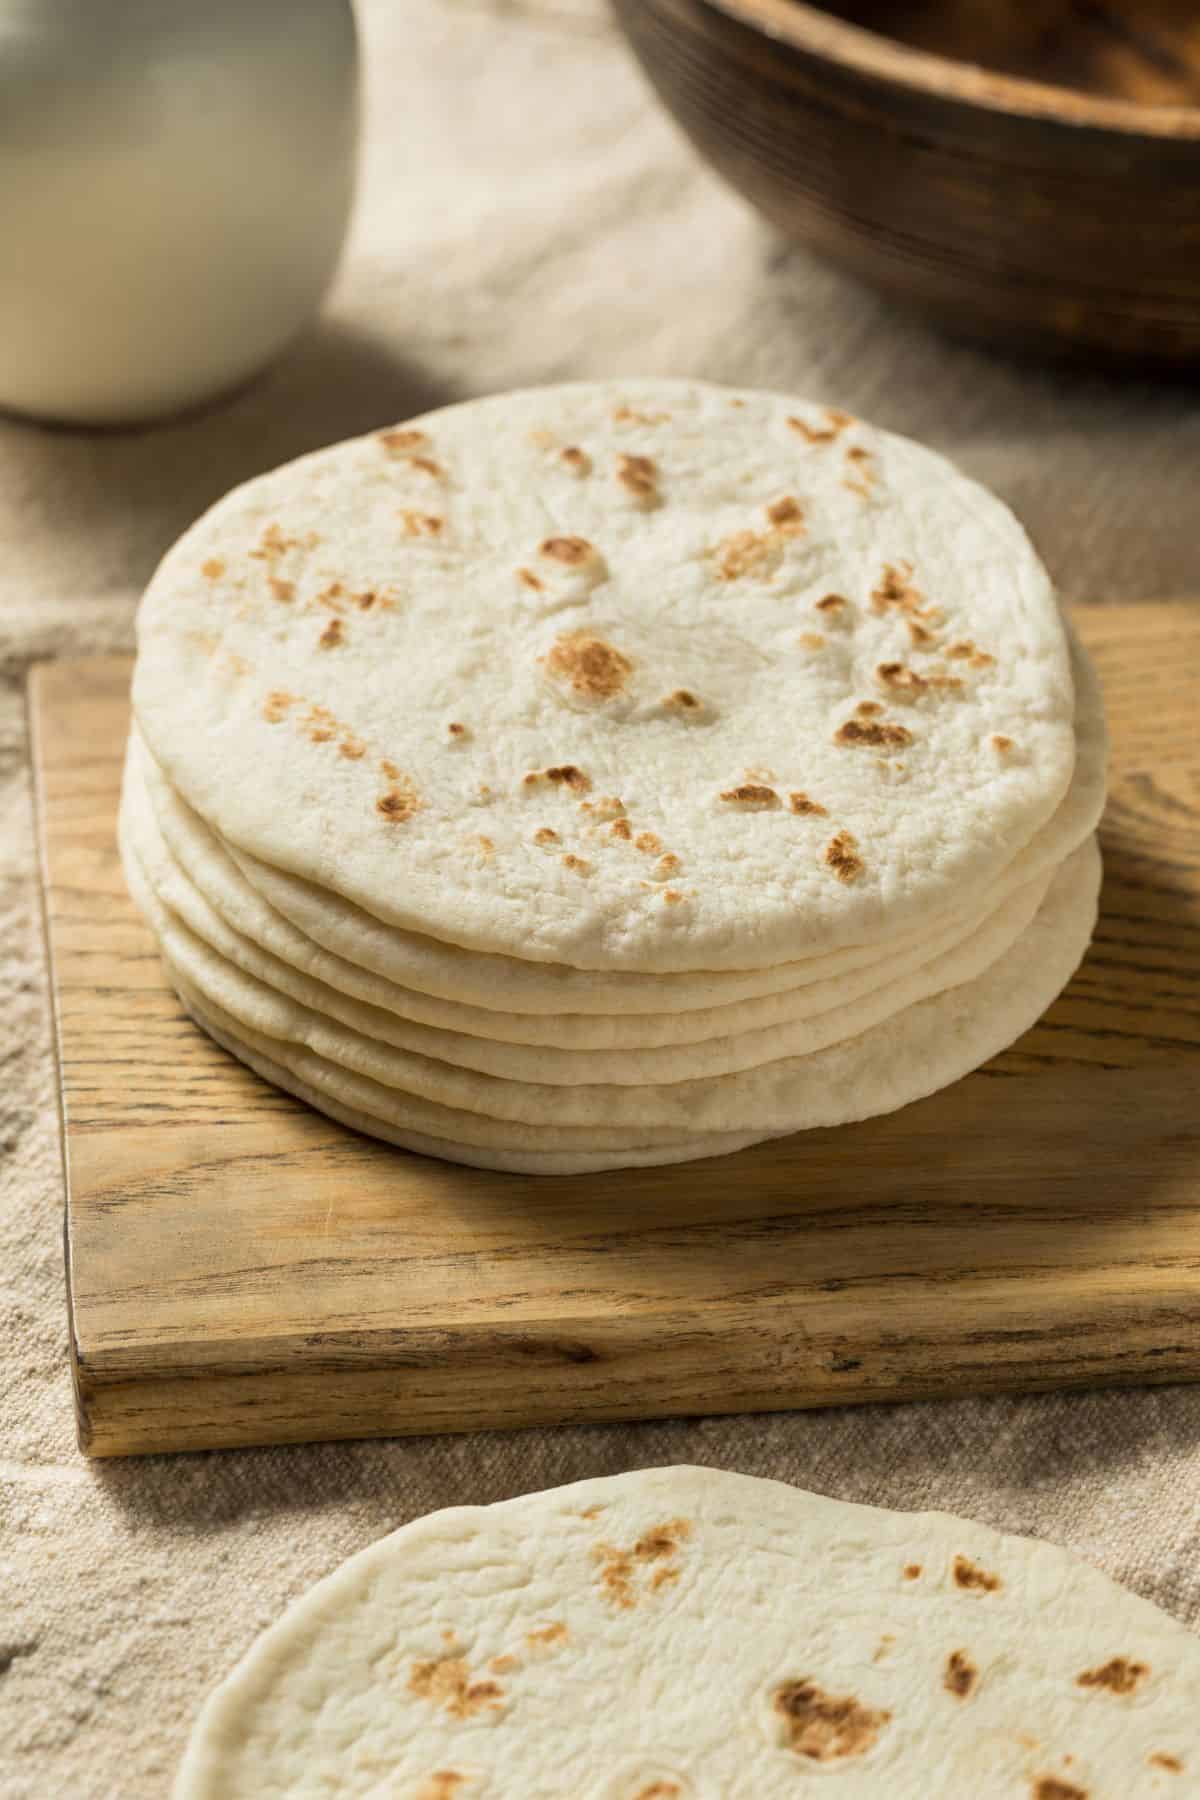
(691, 1634)
(649, 677)
(911, 1055)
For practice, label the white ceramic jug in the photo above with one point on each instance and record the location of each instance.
(176, 178)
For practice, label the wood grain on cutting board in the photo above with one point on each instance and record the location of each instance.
(243, 1271)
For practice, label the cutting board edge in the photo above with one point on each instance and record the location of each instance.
(111, 1425)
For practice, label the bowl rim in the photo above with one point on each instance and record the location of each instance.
(802, 26)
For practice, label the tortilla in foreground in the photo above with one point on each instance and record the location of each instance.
(691, 1634)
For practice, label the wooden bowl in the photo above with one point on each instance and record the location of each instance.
(1062, 213)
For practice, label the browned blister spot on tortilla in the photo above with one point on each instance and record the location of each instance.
(648, 842)
(621, 828)
(660, 1545)
(912, 1571)
(402, 441)
(807, 808)
(272, 543)
(872, 732)
(1117, 1676)
(1162, 1759)
(420, 524)
(811, 640)
(428, 465)
(836, 422)
(371, 597)
(389, 769)
(672, 896)
(895, 589)
(628, 415)
(638, 475)
(577, 460)
(577, 864)
(906, 683)
(546, 835)
(399, 802)
(1002, 744)
(659, 1790)
(332, 635)
(812, 434)
(567, 775)
(827, 1728)
(446, 1682)
(965, 651)
(561, 775)
(504, 1665)
(832, 603)
(276, 706)
(352, 748)
(604, 806)
(213, 569)
(960, 1675)
(970, 1576)
(591, 1512)
(683, 701)
(573, 551)
(666, 866)
(546, 1636)
(485, 847)
(616, 1575)
(590, 667)
(528, 579)
(1052, 1787)
(331, 597)
(920, 635)
(443, 1784)
(458, 731)
(841, 855)
(787, 516)
(868, 709)
(662, 1540)
(751, 796)
(282, 590)
(748, 553)
(900, 679)
(861, 479)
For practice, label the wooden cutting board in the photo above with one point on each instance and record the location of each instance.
(243, 1271)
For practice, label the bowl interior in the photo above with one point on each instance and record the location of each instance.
(1143, 51)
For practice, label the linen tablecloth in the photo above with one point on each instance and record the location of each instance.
(527, 214)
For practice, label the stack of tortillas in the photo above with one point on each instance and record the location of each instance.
(684, 1634)
(607, 775)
